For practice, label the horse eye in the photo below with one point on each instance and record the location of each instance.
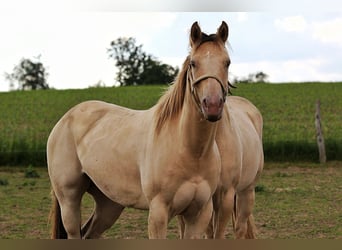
(192, 63)
(227, 63)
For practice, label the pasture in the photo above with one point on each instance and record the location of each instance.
(296, 197)
(293, 201)
(26, 118)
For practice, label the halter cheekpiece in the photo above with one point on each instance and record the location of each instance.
(193, 82)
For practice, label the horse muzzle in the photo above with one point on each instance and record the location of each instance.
(212, 107)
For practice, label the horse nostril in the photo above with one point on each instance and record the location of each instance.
(205, 102)
(210, 102)
(221, 102)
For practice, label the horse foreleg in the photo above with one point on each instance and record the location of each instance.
(157, 219)
(224, 213)
(209, 233)
(196, 225)
(245, 227)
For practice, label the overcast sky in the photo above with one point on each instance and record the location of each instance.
(289, 46)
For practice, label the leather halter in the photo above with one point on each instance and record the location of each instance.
(193, 82)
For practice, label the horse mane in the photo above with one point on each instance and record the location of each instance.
(171, 103)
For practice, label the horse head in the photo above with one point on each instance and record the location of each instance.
(208, 70)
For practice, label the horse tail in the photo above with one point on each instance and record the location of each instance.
(57, 229)
(251, 228)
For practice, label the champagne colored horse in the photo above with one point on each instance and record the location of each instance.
(239, 139)
(164, 159)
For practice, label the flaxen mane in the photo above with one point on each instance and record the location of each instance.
(171, 103)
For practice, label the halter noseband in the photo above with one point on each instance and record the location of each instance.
(193, 84)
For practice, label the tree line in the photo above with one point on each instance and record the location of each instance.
(135, 67)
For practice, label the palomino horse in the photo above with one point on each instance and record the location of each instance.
(239, 139)
(164, 159)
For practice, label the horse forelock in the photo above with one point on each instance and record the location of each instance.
(208, 38)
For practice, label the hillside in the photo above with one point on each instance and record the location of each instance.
(26, 118)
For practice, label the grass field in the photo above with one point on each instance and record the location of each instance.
(27, 117)
(295, 201)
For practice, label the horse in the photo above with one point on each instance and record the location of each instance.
(164, 159)
(239, 139)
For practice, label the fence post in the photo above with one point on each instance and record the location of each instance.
(319, 134)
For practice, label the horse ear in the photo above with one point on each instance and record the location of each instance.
(195, 34)
(223, 31)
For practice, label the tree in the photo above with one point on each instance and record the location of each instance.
(29, 75)
(259, 77)
(156, 72)
(136, 67)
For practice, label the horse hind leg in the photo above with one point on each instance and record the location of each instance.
(244, 226)
(68, 190)
(70, 211)
(105, 214)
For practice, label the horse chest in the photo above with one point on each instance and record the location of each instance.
(191, 196)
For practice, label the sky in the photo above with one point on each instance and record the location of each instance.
(289, 46)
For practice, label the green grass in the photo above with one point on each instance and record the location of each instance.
(296, 201)
(289, 118)
(27, 117)
(300, 202)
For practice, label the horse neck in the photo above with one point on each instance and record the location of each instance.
(197, 135)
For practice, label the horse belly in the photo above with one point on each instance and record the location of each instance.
(252, 165)
(118, 179)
